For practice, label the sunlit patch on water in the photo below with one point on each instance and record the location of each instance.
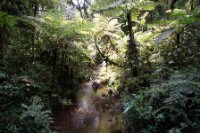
(93, 114)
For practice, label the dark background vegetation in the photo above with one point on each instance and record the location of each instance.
(49, 47)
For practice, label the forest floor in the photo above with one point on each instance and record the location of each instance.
(94, 112)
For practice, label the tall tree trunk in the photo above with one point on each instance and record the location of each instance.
(35, 9)
(54, 62)
(192, 4)
(132, 47)
(1, 44)
(3, 39)
(171, 4)
(178, 46)
(79, 8)
(85, 7)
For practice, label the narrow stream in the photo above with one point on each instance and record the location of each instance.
(94, 113)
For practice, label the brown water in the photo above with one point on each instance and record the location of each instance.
(93, 113)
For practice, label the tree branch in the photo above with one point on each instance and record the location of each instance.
(104, 56)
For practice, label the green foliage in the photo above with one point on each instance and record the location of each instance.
(35, 118)
(178, 13)
(46, 56)
(139, 10)
(3, 75)
(168, 104)
(137, 110)
(172, 105)
(65, 102)
(7, 20)
(15, 90)
(143, 5)
(178, 18)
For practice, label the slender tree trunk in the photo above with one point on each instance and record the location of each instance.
(54, 63)
(3, 40)
(132, 47)
(178, 46)
(35, 9)
(79, 8)
(171, 4)
(192, 4)
(85, 7)
(1, 45)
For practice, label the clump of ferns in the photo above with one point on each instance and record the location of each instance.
(65, 102)
(179, 101)
(35, 117)
(173, 105)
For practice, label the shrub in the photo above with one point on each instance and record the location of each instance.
(172, 106)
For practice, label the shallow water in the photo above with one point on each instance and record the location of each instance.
(93, 113)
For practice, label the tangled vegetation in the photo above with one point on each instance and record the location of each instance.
(150, 50)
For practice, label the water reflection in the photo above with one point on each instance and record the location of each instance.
(92, 114)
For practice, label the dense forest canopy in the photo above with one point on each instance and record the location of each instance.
(135, 63)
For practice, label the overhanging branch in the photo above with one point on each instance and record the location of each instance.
(105, 58)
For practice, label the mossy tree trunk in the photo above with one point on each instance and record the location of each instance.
(35, 7)
(1, 44)
(132, 47)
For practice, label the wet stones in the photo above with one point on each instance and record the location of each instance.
(104, 95)
(110, 92)
(96, 84)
